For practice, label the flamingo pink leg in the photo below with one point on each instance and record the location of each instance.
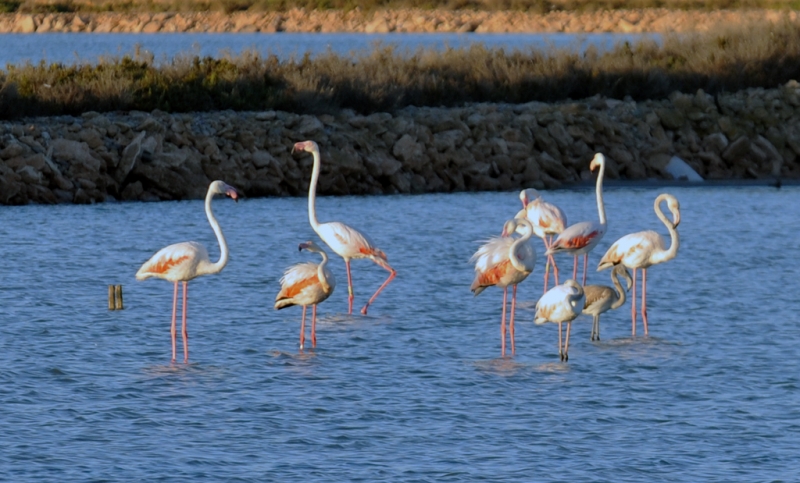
(392, 274)
(553, 261)
(633, 306)
(575, 269)
(644, 300)
(350, 295)
(503, 323)
(546, 265)
(184, 330)
(303, 328)
(585, 262)
(511, 319)
(173, 330)
(560, 354)
(314, 325)
(566, 345)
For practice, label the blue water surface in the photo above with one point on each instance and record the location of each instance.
(417, 390)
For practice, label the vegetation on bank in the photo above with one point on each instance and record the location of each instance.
(386, 80)
(540, 6)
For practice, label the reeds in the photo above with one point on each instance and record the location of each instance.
(386, 80)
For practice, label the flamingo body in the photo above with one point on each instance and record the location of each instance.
(644, 249)
(345, 241)
(182, 262)
(306, 284)
(562, 303)
(502, 262)
(581, 238)
(599, 299)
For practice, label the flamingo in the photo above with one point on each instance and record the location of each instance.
(581, 238)
(547, 220)
(504, 261)
(644, 249)
(345, 241)
(562, 303)
(182, 262)
(306, 284)
(602, 298)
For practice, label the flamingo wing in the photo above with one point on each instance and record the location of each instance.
(295, 281)
(632, 250)
(579, 236)
(554, 306)
(176, 262)
(348, 242)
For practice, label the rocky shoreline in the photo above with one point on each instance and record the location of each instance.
(384, 21)
(753, 134)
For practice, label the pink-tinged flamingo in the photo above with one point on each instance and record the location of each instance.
(562, 303)
(581, 238)
(644, 249)
(547, 220)
(306, 284)
(182, 262)
(345, 241)
(602, 298)
(504, 261)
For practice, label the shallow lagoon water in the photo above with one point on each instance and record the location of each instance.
(71, 48)
(416, 391)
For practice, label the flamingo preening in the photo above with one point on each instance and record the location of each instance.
(504, 261)
(581, 238)
(547, 220)
(562, 303)
(306, 284)
(345, 241)
(182, 262)
(644, 249)
(602, 298)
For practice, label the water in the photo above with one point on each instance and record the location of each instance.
(79, 48)
(416, 391)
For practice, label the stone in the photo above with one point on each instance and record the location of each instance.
(26, 24)
(77, 155)
(381, 164)
(716, 142)
(13, 150)
(737, 150)
(130, 156)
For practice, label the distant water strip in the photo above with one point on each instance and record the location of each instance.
(72, 48)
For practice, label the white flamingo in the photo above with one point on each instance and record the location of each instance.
(182, 262)
(345, 241)
(547, 220)
(504, 261)
(602, 298)
(562, 303)
(307, 284)
(645, 249)
(581, 238)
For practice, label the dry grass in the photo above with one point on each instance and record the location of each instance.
(384, 80)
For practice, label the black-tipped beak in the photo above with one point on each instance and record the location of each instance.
(302, 246)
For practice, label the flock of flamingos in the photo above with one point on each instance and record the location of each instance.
(502, 261)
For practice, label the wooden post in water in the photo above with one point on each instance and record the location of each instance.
(118, 297)
(111, 303)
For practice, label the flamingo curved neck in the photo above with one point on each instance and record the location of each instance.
(512, 251)
(621, 297)
(312, 192)
(675, 242)
(323, 280)
(209, 268)
(601, 207)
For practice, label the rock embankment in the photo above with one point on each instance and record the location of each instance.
(160, 156)
(403, 20)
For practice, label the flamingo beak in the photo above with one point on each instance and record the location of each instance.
(677, 219)
(232, 192)
(302, 246)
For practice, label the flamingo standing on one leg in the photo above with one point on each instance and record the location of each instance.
(306, 284)
(547, 220)
(602, 298)
(504, 261)
(562, 303)
(182, 262)
(644, 249)
(581, 238)
(345, 241)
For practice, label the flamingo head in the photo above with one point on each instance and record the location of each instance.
(223, 188)
(310, 246)
(528, 195)
(597, 161)
(509, 228)
(675, 208)
(307, 146)
(620, 270)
